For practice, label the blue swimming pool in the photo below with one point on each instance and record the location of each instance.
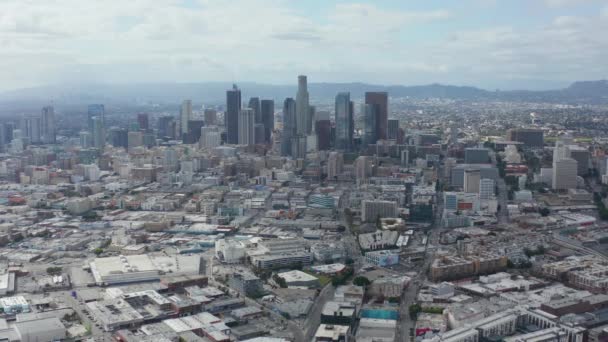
(380, 314)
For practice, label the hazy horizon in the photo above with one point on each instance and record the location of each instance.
(539, 44)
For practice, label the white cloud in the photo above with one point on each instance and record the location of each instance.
(566, 3)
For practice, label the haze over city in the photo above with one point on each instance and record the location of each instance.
(303, 171)
(538, 44)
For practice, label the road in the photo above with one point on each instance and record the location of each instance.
(314, 315)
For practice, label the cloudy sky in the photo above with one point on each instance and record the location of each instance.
(489, 43)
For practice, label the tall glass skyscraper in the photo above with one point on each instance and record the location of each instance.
(344, 122)
(370, 133)
(289, 126)
(231, 116)
(94, 110)
(268, 119)
(380, 101)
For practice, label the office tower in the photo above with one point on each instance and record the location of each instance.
(392, 129)
(185, 115)
(210, 137)
(254, 104)
(405, 157)
(134, 139)
(210, 117)
(372, 210)
(344, 122)
(86, 139)
(298, 147)
(564, 174)
(528, 136)
(472, 177)
(8, 128)
(94, 110)
(231, 116)
(335, 165)
(312, 117)
(99, 133)
(118, 137)
(486, 188)
(143, 121)
(48, 125)
(323, 132)
(165, 127)
(370, 135)
(259, 132)
(476, 155)
(363, 169)
(194, 132)
(30, 126)
(289, 126)
(246, 127)
(380, 101)
(302, 112)
(582, 156)
(268, 119)
(170, 160)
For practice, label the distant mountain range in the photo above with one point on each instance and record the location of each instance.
(585, 92)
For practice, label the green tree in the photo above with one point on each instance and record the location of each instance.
(280, 281)
(361, 281)
(98, 251)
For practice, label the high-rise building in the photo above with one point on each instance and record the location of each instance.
(231, 116)
(486, 188)
(194, 132)
(582, 156)
(118, 137)
(380, 101)
(472, 177)
(143, 121)
(372, 210)
(246, 127)
(268, 119)
(185, 115)
(259, 132)
(31, 127)
(370, 134)
(303, 120)
(392, 129)
(289, 126)
(528, 136)
(99, 133)
(94, 110)
(165, 128)
(254, 104)
(344, 122)
(335, 165)
(135, 139)
(210, 117)
(476, 155)
(210, 137)
(48, 125)
(564, 174)
(363, 169)
(86, 139)
(323, 132)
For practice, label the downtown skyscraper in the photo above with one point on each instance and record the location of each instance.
(268, 119)
(379, 100)
(185, 115)
(94, 110)
(231, 116)
(246, 127)
(344, 122)
(289, 126)
(48, 130)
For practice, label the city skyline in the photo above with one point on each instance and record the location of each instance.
(490, 44)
